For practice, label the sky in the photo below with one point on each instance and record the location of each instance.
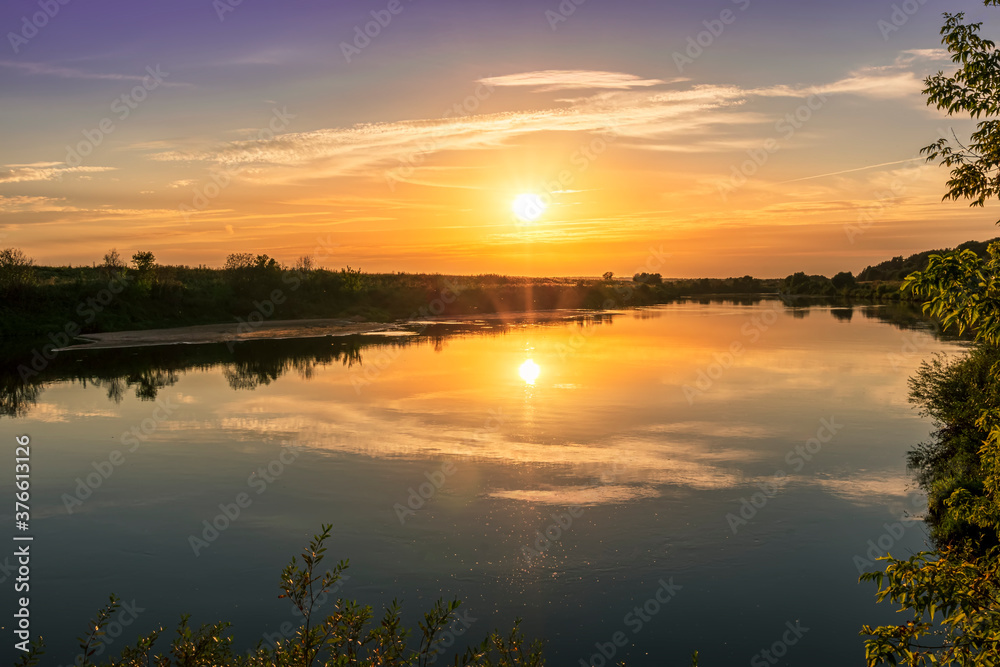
(704, 138)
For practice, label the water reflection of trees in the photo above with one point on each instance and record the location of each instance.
(147, 384)
(842, 314)
(16, 396)
(146, 371)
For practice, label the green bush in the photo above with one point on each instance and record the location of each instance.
(347, 636)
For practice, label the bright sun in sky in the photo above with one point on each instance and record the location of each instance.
(528, 207)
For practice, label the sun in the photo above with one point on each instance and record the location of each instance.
(528, 207)
(529, 371)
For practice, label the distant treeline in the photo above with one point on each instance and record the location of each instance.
(62, 302)
(115, 295)
(898, 268)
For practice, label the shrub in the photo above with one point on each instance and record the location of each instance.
(346, 637)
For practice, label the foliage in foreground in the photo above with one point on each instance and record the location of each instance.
(952, 595)
(953, 393)
(345, 637)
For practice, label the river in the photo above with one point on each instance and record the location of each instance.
(636, 485)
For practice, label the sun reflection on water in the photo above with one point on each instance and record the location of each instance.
(529, 371)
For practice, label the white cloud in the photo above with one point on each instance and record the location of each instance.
(911, 55)
(701, 117)
(555, 79)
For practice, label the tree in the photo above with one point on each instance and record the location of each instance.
(304, 264)
(248, 272)
(648, 278)
(113, 263)
(800, 283)
(844, 279)
(963, 290)
(952, 595)
(17, 271)
(608, 276)
(971, 90)
(144, 261)
(145, 266)
(238, 261)
(265, 263)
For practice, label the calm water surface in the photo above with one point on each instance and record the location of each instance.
(751, 457)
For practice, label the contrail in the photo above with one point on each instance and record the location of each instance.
(848, 171)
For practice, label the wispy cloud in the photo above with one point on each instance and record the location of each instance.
(704, 116)
(43, 171)
(24, 203)
(44, 69)
(912, 55)
(877, 83)
(558, 79)
(851, 171)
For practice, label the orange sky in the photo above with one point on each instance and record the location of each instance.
(410, 156)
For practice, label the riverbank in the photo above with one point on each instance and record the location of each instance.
(242, 332)
(224, 333)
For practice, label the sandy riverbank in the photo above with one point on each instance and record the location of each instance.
(224, 333)
(317, 328)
